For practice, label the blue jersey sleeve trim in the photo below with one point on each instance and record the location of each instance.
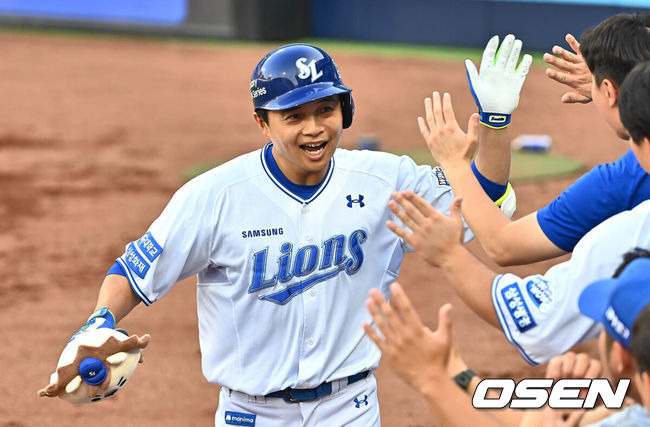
(116, 269)
(504, 323)
(491, 188)
(134, 287)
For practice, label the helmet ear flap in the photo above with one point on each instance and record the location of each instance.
(347, 108)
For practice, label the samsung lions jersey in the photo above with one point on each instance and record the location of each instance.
(282, 280)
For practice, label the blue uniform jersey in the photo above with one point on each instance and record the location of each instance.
(604, 191)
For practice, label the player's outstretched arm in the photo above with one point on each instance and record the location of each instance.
(505, 241)
(419, 356)
(570, 69)
(116, 294)
(438, 239)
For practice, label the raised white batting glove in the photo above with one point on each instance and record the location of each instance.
(96, 362)
(496, 87)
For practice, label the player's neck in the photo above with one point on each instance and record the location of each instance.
(294, 173)
(304, 178)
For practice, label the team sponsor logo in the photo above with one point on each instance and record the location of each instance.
(533, 393)
(308, 70)
(306, 267)
(518, 308)
(358, 403)
(135, 262)
(257, 91)
(440, 176)
(149, 247)
(359, 201)
(540, 294)
(240, 418)
(262, 232)
(616, 324)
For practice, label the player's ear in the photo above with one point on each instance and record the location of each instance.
(629, 363)
(610, 91)
(622, 362)
(262, 124)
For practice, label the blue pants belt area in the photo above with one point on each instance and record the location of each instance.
(296, 395)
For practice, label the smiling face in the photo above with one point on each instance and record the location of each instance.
(304, 138)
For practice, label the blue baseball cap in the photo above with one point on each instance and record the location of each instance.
(617, 302)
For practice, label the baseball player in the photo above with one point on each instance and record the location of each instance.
(286, 242)
(610, 50)
(539, 313)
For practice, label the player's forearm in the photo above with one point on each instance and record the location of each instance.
(472, 280)
(450, 405)
(116, 294)
(493, 158)
(485, 219)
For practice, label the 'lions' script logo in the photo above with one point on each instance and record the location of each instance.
(329, 259)
(308, 70)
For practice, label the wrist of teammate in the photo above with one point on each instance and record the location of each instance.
(453, 257)
(464, 378)
(494, 120)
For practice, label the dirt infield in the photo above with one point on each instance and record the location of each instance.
(94, 134)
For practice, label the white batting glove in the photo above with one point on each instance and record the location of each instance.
(496, 88)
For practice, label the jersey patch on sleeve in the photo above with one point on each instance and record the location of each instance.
(540, 294)
(517, 307)
(149, 247)
(440, 176)
(135, 262)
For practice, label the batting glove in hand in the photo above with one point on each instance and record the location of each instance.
(102, 318)
(496, 87)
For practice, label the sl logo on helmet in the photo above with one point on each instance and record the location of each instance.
(308, 70)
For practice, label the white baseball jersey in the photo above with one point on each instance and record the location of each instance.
(539, 314)
(282, 281)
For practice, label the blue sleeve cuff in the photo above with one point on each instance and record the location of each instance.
(492, 189)
(116, 269)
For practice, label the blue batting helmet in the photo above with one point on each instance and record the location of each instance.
(295, 74)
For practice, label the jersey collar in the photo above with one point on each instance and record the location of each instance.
(303, 194)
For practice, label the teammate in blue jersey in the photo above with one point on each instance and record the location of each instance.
(610, 51)
(286, 242)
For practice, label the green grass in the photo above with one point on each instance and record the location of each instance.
(526, 166)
